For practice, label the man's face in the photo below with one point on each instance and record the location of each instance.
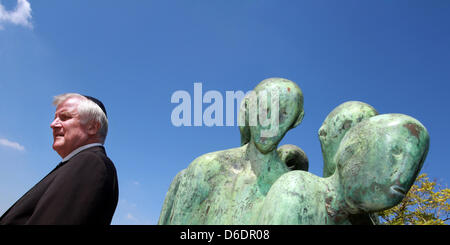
(68, 131)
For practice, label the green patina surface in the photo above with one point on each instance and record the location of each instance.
(337, 123)
(294, 157)
(377, 162)
(229, 187)
(370, 162)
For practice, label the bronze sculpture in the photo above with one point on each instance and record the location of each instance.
(370, 162)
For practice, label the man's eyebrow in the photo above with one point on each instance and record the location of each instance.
(64, 113)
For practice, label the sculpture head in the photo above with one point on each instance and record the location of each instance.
(379, 159)
(294, 157)
(270, 110)
(336, 125)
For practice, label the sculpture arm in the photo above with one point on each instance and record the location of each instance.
(186, 195)
(164, 218)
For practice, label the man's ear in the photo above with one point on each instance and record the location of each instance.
(299, 119)
(93, 128)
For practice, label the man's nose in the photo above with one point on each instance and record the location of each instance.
(56, 123)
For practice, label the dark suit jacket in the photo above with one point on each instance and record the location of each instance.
(83, 190)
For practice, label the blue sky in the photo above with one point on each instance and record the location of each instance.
(133, 55)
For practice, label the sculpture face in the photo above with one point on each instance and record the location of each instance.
(275, 96)
(294, 157)
(379, 159)
(336, 125)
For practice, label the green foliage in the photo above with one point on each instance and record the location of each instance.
(425, 204)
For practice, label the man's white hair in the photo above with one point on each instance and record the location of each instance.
(89, 112)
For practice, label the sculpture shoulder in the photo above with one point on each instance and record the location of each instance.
(295, 187)
(295, 181)
(215, 162)
(292, 199)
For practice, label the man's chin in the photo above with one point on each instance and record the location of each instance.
(57, 146)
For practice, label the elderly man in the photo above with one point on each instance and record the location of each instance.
(83, 188)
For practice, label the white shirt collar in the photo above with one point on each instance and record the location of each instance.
(74, 152)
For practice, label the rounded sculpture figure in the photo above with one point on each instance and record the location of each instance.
(336, 125)
(377, 161)
(333, 129)
(229, 187)
(294, 157)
